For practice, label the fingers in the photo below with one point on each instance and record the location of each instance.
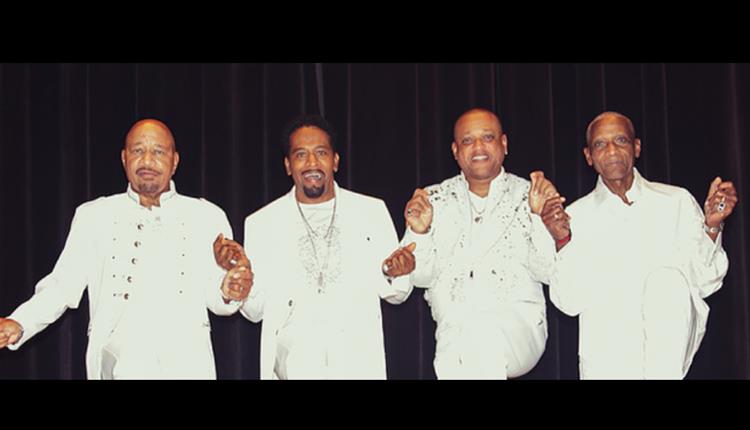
(419, 203)
(10, 332)
(238, 282)
(229, 253)
(240, 259)
(537, 177)
(422, 196)
(401, 262)
(416, 207)
(14, 338)
(714, 186)
(552, 204)
(420, 192)
(721, 200)
(548, 190)
(555, 218)
(727, 188)
(418, 211)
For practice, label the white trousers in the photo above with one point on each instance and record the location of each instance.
(668, 324)
(503, 345)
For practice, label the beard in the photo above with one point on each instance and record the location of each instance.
(148, 188)
(313, 192)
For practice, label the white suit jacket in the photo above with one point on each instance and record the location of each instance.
(103, 253)
(599, 275)
(368, 237)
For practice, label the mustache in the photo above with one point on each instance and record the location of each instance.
(147, 170)
(322, 174)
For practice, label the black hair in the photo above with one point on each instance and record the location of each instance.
(306, 121)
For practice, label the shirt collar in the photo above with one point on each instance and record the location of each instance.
(163, 198)
(498, 186)
(603, 194)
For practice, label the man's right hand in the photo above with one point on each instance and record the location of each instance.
(418, 212)
(555, 218)
(10, 332)
(229, 254)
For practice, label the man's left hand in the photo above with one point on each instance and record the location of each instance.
(401, 262)
(721, 200)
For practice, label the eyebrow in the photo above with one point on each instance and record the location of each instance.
(313, 149)
(134, 145)
(483, 130)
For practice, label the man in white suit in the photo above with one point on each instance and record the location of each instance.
(635, 261)
(482, 253)
(146, 258)
(317, 255)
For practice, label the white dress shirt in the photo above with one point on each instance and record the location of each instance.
(600, 274)
(150, 275)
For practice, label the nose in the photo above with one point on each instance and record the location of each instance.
(312, 160)
(476, 143)
(611, 147)
(148, 158)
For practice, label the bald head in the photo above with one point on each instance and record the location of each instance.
(610, 115)
(474, 113)
(150, 159)
(150, 127)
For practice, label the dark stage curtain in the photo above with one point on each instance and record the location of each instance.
(62, 127)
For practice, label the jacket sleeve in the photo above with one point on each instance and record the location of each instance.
(253, 307)
(703, 261)
(571, 287)
(64, 286)
(398, 289)
(541, 248)
(215, 273)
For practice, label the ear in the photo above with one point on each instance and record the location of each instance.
(637, 148)
(335, 162)
(287, 165)
(122, 157)
(587, 154)
(175, 162)
(504, 142)
(454, 149)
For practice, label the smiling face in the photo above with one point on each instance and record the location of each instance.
(312, 163)
(149, 158)
(479, 145)
(612, 147)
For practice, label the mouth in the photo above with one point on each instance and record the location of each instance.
(479, 158)
(611, 163)
(313, 175)
(147, 173)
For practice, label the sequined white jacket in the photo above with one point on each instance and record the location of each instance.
(512, 263)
